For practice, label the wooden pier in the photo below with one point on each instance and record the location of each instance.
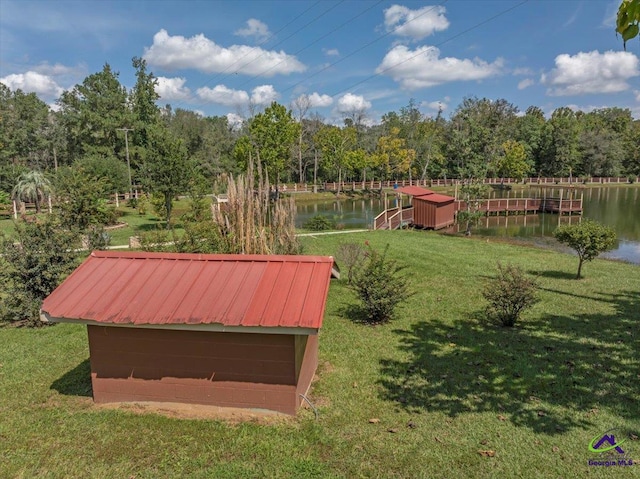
(397, 217)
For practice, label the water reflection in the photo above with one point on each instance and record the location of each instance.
(615, 206)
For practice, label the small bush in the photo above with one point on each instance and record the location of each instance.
(319, 223)
(349, 256)
(380, 286)
(509, 294)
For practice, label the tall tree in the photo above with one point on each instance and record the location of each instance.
(167, 168)
(273, 132)
(392, 155)
(91, 114)
(145, 113)
(561, 154)
(301, 107)
(335, 142)
(24, 122)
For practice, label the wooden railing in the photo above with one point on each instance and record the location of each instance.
(393, 218)
(376, 185)
(501, 205)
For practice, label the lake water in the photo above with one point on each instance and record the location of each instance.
(615, 206)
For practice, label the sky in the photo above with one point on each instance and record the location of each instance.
(236, 57)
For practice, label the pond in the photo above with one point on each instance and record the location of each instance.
(615, 206)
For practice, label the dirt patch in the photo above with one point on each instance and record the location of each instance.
(198, 411)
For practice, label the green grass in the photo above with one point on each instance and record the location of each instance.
(535, 394)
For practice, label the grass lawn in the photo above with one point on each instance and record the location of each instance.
(534, 395)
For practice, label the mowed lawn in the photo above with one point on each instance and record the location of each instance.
(455, 397)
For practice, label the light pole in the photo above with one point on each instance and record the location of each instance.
(126, 144)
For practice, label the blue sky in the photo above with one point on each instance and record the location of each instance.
(231, 58)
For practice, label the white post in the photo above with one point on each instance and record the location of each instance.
(117, 201)
(15, 210)
(49, 201)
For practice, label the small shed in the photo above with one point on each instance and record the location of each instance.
(433, 211)
(223, 330)
(430, 210)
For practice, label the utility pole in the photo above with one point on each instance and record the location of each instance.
(126, 144)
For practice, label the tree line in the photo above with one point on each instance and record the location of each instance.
(170, 151)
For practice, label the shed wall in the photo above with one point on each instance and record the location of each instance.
(432, 215)
(223, 369)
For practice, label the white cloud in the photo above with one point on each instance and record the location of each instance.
(317, 100)
(263, 95)
(200, 53)
(350, 102)
(33, 82)
(255, 28)
(332, 52)
(416, 24)
(591, 72)
(526, 83)
(235, 121)
(172, 88)
(422, 68)
(436, 105)
(224, 96)
(525, 71)
(58, 69)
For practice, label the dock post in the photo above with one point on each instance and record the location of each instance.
(560, 205)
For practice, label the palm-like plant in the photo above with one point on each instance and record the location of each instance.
(32, 186)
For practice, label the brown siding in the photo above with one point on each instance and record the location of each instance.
(308, 362)
(432, 215)
(222, 369)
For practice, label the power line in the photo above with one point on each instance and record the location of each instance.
(316, 40)
(264, 42)
(484, 22)
(366, 45)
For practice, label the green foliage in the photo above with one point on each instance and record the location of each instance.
(512, 161)
(628, 20)
(349, 257)
(91, 114)
(167, 169)
(111, 170)
(380, 286)
(509, 294)
(5, 199)
(472, 190)
(32, 186)
(97, 238)
(319, 223)
(273, 132)
(33, 263)
(141, 203)
(158, 204)
(81, 200)
(588, 238)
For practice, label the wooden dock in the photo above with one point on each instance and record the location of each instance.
(526, 205)
(394, 218)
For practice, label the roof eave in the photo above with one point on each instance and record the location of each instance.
(211, 327)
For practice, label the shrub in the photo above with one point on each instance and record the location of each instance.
(349, 256)
(32, 264)
(319, 223)
(380, 286)
(509, 294)
(588, 238)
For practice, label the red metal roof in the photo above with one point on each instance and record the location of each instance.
(415, 191)
(193, 289)
(436, 198)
